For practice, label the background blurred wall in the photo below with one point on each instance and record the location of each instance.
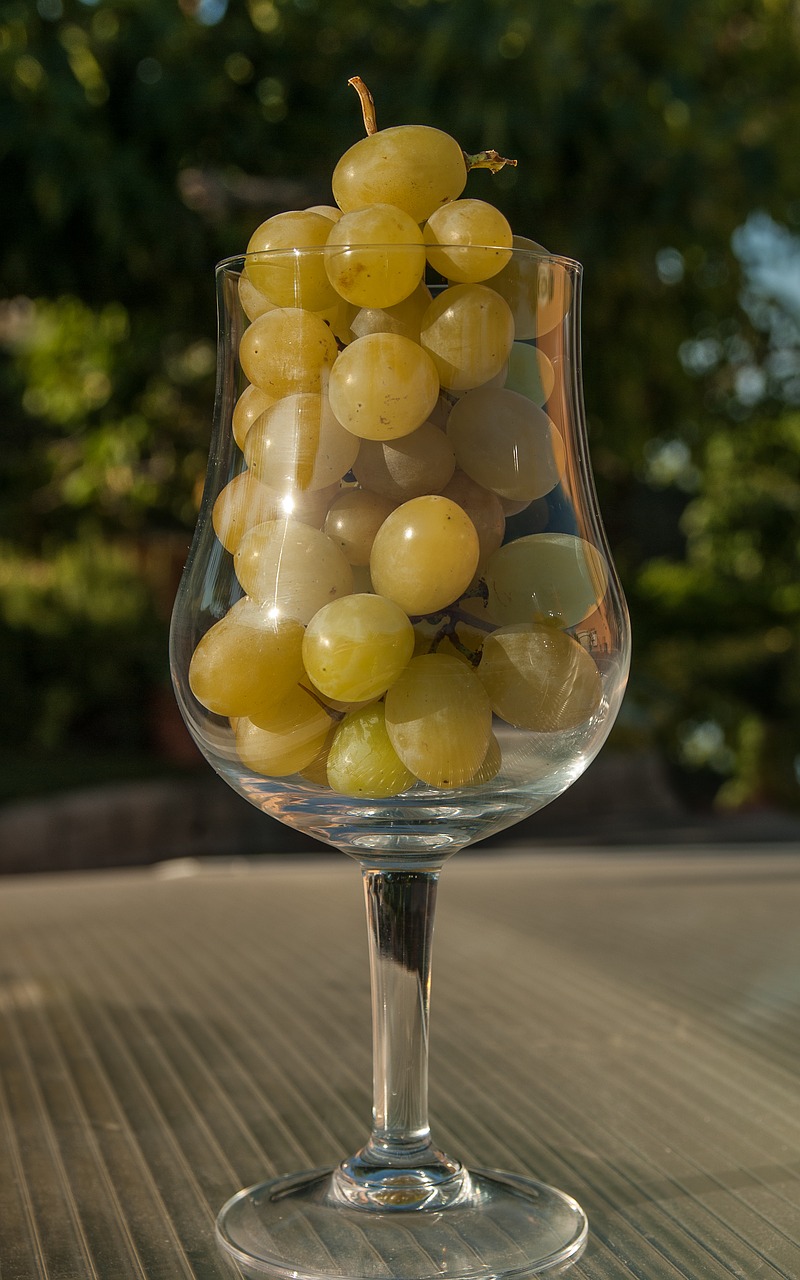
(141, 140)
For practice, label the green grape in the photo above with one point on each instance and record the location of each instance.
(326, 210)
(362, 760)
(383, 386)
(291, 568)
(252, 301)
(468, 330)
(424, 555)
(413, 167)
(404, 318)
(539, 678)
(355, 648)
(287, 738)
(353, 520)
(530, 372)
(287, 350)
(289, 279)
(421, 462)
(247, 661)
(538, 290)
(381, 276)
(245, 502)
(484, 509)
(457, 235)
(545, 577)
(492, 763)
(300, 444)
(250, 405)
(439, 720)
(506, 443)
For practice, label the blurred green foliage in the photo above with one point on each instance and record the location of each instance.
(141, 140)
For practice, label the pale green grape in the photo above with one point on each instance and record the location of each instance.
(247, 661)
(530, 372)
(539, 678)
(404, 318)
(245, 502)
(250, 405)
(298, 443)
(492, 763)
(421, 462)
(287, 350)
(439, 719)
(362, 760)
(326, 210)
(506, 443)
(291, 279)
(457, 238)
(253, 302)
(355, 648)
(467, 330)
(287, 738)
(424, 554)
(537, 289)
(383, 386)
(375, 276)
(412, 166)
(291, 568)
(353, 520)
(484, 509)
(543, 577)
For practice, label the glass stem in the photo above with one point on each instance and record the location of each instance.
(399, 1167)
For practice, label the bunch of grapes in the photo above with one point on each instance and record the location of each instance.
(387, 431)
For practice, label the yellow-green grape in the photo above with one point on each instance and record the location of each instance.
(424, 555)
(383, 386)
(457, 238)
(252, 301)
(491, 766)
(468, 331)
(530, 372)
(317, 770)
(287, 738)
(353, 520)
(545, 577)
(413, 166)
(484, 509)
(287, 350)
(250, 405)
(245, 502)
(539, 678)
(506, 443)
(537, 288)
(247, 661)
(291, 568)
(375, 276)
(291, 279)
(421, 462)
(439, 719)
(356, 647)
(404, 318)
(300, 444)
(326, 210)
(362, 760)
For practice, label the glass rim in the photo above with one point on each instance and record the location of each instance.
(236, 262)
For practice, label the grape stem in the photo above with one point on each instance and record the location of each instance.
(491, 160)
(367, 105)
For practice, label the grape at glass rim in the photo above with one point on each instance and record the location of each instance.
(399, 631)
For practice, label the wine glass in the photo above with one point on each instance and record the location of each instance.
(400, 631)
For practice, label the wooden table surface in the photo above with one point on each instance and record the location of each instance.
(624, 1025)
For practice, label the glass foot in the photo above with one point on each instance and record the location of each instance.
(503, 1226)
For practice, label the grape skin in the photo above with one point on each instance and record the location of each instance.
(468, 331)
(472, 224)
(298, 443)
(291, 568)
(286, 279)
(507, 443)
(287, 350)
(250, 406)
(539, 678)
(383, 386)
(382, 276)
(246, 502)
(546, 577)
(285, 739)
(247, 661)
(354, 519)
(362, 760)
(414, 167)
(419, 463)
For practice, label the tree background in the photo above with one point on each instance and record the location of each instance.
(142, 140)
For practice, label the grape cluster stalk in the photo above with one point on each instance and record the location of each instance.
(387, 431)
